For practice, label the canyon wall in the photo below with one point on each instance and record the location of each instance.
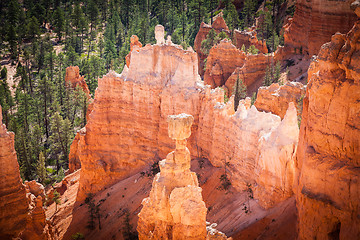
(127, 128)
(276, 98)
(314, 23)
(226, 63)
(21, 212)
(328, 156)
(218, 25)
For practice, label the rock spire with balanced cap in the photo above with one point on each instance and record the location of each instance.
(175, 209)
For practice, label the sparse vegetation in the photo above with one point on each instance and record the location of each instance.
(239, 91)
(128, 232)
(299, 108)
(94, 211)
(78, 236)
(56, 199)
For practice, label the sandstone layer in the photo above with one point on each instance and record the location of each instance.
(174, 209)
(276, 98)
(21, 213)
(314, 23)
(218, 25)
(328, 157)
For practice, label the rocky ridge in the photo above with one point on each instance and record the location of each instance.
(328, 154)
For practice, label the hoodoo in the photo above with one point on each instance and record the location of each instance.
(175, 209)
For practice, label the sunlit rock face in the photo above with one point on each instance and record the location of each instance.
(175, 209)
(13, 203)
(257, 146)
(314, 23)
(127, 128)
(21, 213)
(218, 25)
(328, 156)
(276, 98)
(275, 163)
(248, 38)
(135, 44)
(223, 59)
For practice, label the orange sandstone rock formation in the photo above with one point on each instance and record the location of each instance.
(125, 130)
(234, 138)
(226, 63)
(314, 23)
(175, 209)
(134, 45)
(21, 213)
(276, 98)
(218, 25)
(328, 156)
(248, 38)
(74, 79)
(13, 202)
(223, 59)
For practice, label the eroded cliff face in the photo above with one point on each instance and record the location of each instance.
(328, 159)
(314, 23)
(13, 203)
(21, 212)
(127, 128)
(218, 25)
(276, 98)
(248, 38)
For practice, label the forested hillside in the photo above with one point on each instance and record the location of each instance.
(40, 39)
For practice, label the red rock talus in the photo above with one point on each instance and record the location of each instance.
(74, 79)
(314, 23)
(276, 98)
(218, 25)
(328, 156)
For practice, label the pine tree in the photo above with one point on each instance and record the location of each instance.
(41, 170)
(240, 92)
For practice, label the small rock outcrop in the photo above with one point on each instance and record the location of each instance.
(248, 38)
(314, 23)
(175, 209)
(276, 98)
(73, 79)
(223, 59)
(218, 25)
(226, 63)
(135, 44)
(328, 156)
